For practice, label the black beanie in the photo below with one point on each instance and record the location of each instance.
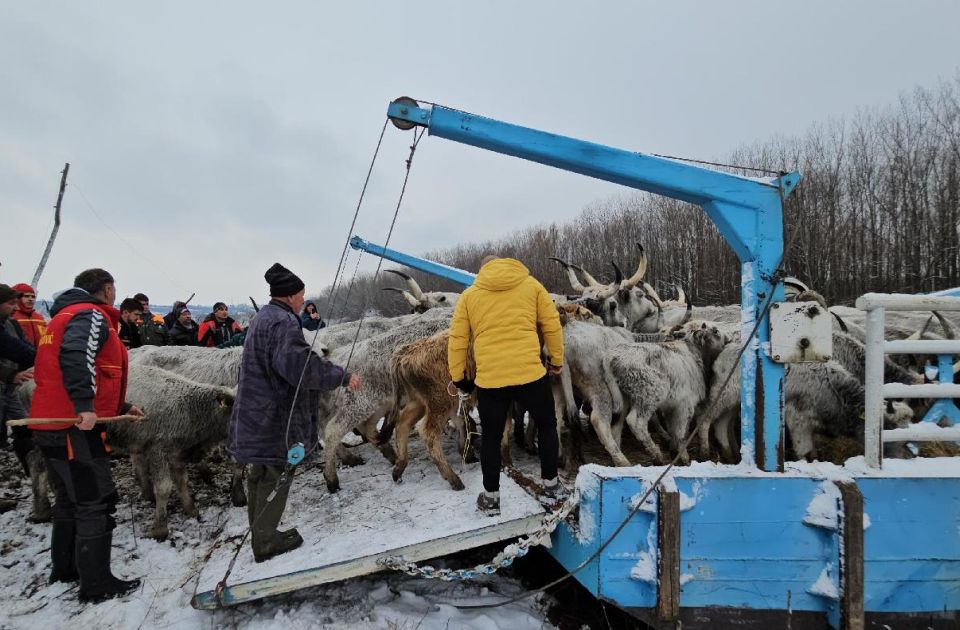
(282, 281)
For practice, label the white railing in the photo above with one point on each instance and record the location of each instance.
(876, 305)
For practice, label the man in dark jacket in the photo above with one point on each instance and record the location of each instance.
(12, 375)
(276, 408)
(21, 354)
(130, 314)
(81, 373)
(184, 330)
(153, 330)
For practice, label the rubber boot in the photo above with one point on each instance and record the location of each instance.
(267, 542)
(97, 583)
(63, 546)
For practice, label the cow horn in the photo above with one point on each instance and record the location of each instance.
(414, 287)
(571, 276)
(948, 330)
(608, 291)
(681, 296)
(653, 295)
(688, 314)
(618, 275)
(843, 324)
(406, 295)
(920, 333)
(641, 271)
(591, 281)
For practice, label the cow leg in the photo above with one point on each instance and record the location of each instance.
(40, 485)
(141, 472)
(678, 420)
(238, 494)
(639, 423)
(703, 431)
(530, 436)
(332, 434)
(409, 415)
(431, 430)
(505, 457)
(178, 473)
(600, 413)
(370, 432)
(162, 486)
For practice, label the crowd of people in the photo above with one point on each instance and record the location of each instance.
(79, 362)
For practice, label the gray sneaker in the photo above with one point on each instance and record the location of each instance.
(489, 503)
(554, 491)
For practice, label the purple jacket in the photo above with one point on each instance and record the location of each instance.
(274, 354)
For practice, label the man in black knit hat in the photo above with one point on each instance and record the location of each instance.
(276, 408)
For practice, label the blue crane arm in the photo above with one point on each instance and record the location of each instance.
(459, 276)
(737, 204)
(747, 211)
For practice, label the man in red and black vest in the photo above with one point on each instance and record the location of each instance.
(81, 372)
(31, 321)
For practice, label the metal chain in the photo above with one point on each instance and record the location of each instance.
(503, 559)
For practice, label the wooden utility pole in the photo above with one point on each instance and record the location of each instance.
(56, 228)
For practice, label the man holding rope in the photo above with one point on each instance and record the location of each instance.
(277, 407)
(81, 373)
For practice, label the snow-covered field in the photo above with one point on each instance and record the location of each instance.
(171, 570)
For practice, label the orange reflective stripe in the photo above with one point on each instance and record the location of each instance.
(69, 449)
(106, 445)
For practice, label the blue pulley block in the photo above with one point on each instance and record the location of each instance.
(296, 454)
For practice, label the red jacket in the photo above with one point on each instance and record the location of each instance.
(212, 333)
(32, 323)
(80, 341)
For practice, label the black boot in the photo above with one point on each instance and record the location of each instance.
(63, 544)
(263, 485)
(97, 583)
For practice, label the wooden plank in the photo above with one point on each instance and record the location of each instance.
(929, 390)
(257, 589)
(668, 548)
(922, 346)
(851, 567)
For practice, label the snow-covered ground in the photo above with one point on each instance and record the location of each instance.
(171, 570)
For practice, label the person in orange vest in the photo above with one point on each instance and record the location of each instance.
(81, 374)
(31, 321)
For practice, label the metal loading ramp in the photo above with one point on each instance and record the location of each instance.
(346, 534)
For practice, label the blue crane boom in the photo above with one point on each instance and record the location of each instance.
(461, 277)
(747, 211)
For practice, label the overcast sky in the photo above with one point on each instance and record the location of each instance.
(209, 139)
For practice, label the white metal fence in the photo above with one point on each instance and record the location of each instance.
(876, 305)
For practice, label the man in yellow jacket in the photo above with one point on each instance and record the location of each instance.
(503, 314)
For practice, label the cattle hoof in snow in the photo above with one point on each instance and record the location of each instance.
(159, 532)
(333, 486)
(398, 475)
(456, 484)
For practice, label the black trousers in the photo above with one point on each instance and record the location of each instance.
(537, 399)
(83, 484)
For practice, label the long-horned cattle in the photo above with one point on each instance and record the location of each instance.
(669, 377)
(623, 302)
(345, 410)
(420, 301)
(819, 399)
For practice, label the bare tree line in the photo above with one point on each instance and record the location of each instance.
(877, 210)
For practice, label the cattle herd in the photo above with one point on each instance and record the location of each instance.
(631, 359)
